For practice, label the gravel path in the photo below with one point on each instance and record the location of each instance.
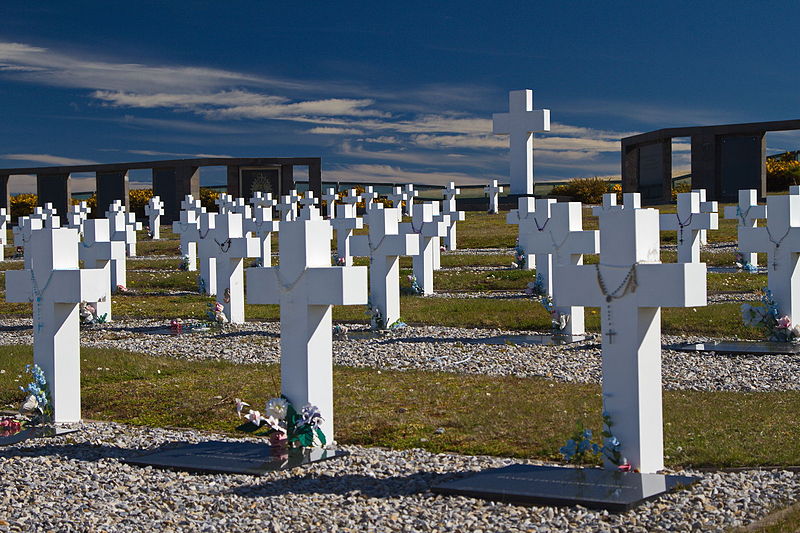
(460, 350)
(77, 483)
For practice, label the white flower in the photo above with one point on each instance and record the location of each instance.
(255, 417)
(277, 408)
(275, 424)
(239, 406)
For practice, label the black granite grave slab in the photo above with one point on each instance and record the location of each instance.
(740, 347)
(233, 457)
(594, 488)
(38, 432)
(540, 340)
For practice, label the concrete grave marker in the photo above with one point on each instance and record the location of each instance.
(747, 212)
(630, 286)
(123, 226)
(153, 211)
(688, 221)
(555, 234)
(224, 203)
(262, 226)
(410, 195)
(345, 223)
(522, 215)
(56, 287)
(780, 239)
(187, 227)
(384, 244)
(306, 287)
(369, 196)
(330, 197)
(397, 197)
(705, 207)
(449, 208)
(426, 228)
(493, 191)
(98, 251)
(519, 124)
(27, 225)
(77, 216)
(5, 218)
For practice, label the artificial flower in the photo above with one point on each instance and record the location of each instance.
(239, 406)
(311, 416)
(255, 417)
(784, 322)
(277, 407)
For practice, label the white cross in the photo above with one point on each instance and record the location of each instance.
(436, 241)
(369, 196)
(5, 218)
(449, 208)
(555, 234)
(77, 216)
(226, 246)
(747, 212)
(526, 206)
(287, 209)
(309, 199)
(520, 123)
(224, 202)
(27, 225)
(330, 197)
(630, 200)
(187, 228)
(427, 230)
(262, 199)
(688, 221)
(705, 207)
(384, 245)
(97, 250)
(123, 226)
(240, 206)
(410, 195)
(262, 226)
(56, 287)
(630, 286)
(50, 210)
(345, 223)
(397, 197)
(493, 191)
(153, 211)
(781, 240)
(306, 287)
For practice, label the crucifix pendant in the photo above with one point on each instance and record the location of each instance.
(610, 336)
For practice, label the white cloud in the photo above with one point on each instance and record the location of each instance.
(173, 154)
(327, 130)
(460, 141)
(185, 100)
(48, 159)
(391, 174)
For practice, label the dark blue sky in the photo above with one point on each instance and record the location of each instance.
(383, 91)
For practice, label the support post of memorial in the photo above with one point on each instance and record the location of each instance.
(173, 183)
(631, 285)
(306, 287)
(56, 287)
(54, 189)
(112, 186)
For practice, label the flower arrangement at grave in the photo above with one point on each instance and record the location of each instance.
(38, 407)
(337, 261)
(283, 424)
(176, 326)
(558, 320)
(397, 324)
(201, 284)
(184, 263)
(88, 314)
(580, 447)
(766, 317)
(122, 289)
(413, 289)
(375, 317)
(340, 332)
(216, 314)
(743, 264)
(519, 258)
(9, 426)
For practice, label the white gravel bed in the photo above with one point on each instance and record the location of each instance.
(77, 483)
(436, 348)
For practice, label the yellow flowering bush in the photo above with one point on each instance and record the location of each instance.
(682, 187)
(22, 205)
(207, 198)
(782, 174)
(587, 190)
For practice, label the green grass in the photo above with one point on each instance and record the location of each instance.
(480, 414)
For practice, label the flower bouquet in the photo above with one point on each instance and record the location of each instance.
(216, 314)
(37, 408)
(776, 328)
(284, 425)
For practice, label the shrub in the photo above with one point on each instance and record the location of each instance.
(22, 205)
(207, 199)
(137, 199)
(587, 190)
(782, 174)
(682, 187)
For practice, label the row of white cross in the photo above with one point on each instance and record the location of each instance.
(629, 285)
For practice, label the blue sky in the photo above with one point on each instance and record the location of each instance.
(383, 91)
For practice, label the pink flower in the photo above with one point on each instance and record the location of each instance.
(627, 467)
(278, 439)
(784, 322)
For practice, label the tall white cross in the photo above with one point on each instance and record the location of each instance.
(449, 208)
(410, 195)
(520, 123)
(555, 234)
(262, 226)
(345, 223)
(493, 191)
(27, 225)
(227, 245)
(97, 250)
(436, 241)
(123, 226)
(206, 251)
(5, 218)
(153, 211)
(56, 287)
(631, 285)
(688, 221)
(397, 197)
(306, 287)
(384, 244)
(746, 212)
(426, 228)
(522, 215)
(781, 240)
(330, 197)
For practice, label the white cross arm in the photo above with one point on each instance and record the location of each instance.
(332, 285)
(66, 286)
(658, 285)
(404, 245)
(243, 247)
(429, 229)
(346, 224)
(754, 240)
(756, 211)
(583, 242)
(536, 120)
(107, 249)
